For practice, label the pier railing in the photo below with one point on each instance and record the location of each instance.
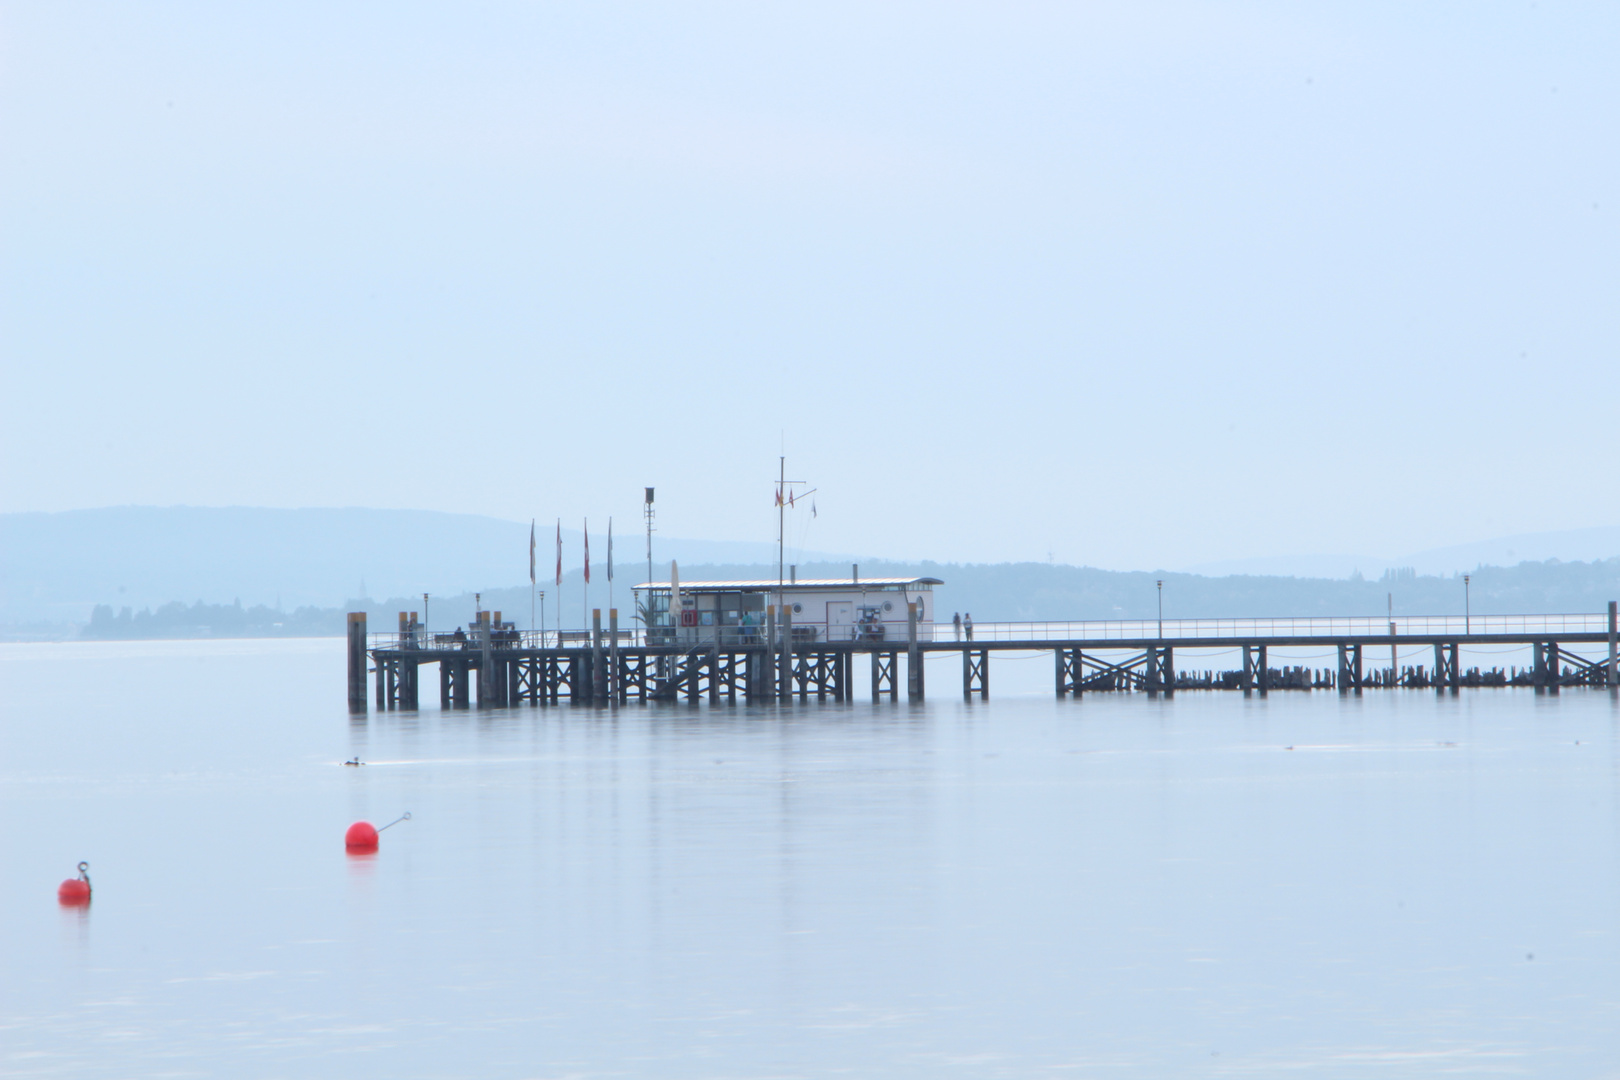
(1326, 627)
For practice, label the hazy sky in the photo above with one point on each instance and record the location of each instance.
(1134, 285)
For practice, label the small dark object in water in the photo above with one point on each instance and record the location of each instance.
(354, 761)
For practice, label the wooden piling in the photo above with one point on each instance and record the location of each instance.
(460, 697)
(914, 660)
(357, 662)
(785, 668)
(599, 675)
(615, 676)
(1614, 642)
(486, 681)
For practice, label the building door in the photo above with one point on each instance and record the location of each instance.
(840, 620)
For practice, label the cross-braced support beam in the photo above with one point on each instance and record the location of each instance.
(884, 680)
(1067, 669)
(1582, 672)
(1161, 670)
(975, 673)
(1349, 668)
(1445, 667)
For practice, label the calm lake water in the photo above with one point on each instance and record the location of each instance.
(1403, 884)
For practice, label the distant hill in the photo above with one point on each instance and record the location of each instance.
(1568, 545)
(54, 568)
(249, 571)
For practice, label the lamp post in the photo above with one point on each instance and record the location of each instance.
(1160, 583)
(424, 613)
(1468, 608)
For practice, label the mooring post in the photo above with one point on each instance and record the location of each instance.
(599, 674)
(357, 660)
(1554, 668)
(1538, 668)
(1248, 671)
(1168, 668)
(785, 667)
(444, 685)
(1355, 667)
(967, 674)
(1614, 641)
(1344, 669)
(1057, 664)
(485, 693)
(616, 693)
(1265, 672)
(914, 675)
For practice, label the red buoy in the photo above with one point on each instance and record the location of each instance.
(75, 892)
(361, 837)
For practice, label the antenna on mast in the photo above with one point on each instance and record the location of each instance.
(647, 512)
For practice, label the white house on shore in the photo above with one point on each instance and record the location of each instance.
(823, 609)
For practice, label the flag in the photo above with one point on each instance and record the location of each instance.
(778, 496)
(790, 500)
(587, 551)
(531, 551)
(610, 550)
(812, 508)
(559, 552)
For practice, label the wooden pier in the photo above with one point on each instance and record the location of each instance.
(490, 666)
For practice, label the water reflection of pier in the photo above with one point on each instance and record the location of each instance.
(491, 664)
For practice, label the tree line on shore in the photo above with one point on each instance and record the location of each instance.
(991, 592)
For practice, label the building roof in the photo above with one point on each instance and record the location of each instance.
(801, 584)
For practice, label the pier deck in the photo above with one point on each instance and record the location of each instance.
(491, 667)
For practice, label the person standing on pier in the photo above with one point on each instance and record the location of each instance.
(967, 624)
(956, 621)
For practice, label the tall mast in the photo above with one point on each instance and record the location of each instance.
(781, 522)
